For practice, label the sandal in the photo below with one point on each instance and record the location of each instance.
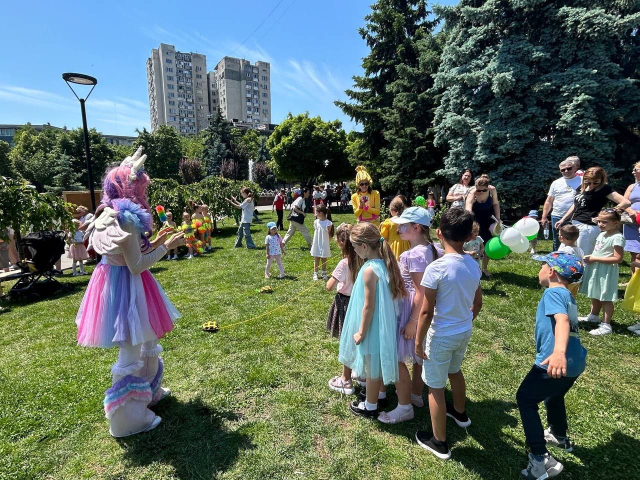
(339, 385)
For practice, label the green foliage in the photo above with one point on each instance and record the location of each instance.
(530, 83)
(304, 148)
(263, 154)
(249, 143)
(120, 152)
(216, 139)
(6, 169)
(39, 157)
(212, 191)
(163, 147)
(66, 176)
(192, 146)
(25, 210)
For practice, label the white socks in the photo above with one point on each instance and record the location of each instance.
(370, 406)
(417, 400)
(382, 395)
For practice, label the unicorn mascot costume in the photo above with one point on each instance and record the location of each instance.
(124, 306)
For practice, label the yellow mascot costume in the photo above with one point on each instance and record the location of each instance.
(366, 201)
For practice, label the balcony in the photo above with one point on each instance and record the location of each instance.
(248, 95)
(248, 104)
(255, 88)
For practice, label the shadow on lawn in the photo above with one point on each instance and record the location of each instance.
(517, 280)
(191, 438)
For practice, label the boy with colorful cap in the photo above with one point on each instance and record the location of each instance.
(274, 247)
(560, 359)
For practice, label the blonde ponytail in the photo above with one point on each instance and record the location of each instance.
(366, 233)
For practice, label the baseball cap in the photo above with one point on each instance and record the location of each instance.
(271, 225)
(417, 215)
(533, 213)
(566, 265)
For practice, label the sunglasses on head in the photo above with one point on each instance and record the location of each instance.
(362, 184)
(567, 169)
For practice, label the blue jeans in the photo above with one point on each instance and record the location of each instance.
(244, 230)
(556, 239)
(536, 387)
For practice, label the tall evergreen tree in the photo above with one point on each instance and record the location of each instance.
(216, 139)
(524, 84)
(391, 32)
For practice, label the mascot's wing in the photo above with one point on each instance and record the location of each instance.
(106, 233)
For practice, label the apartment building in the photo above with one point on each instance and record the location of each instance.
(241, 90)
(177, 83)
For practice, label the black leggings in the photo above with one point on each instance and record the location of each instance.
(279, 223)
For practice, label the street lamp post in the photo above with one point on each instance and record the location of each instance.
(81, 79)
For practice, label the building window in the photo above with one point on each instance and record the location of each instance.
(172, 110)
(170, 87)
(170, 78)
(172, 119)
(169, 69)
(248, 74)
(264, 78)
(198, 75)
(265, 111)
(264, 103)
(171, 94)
(265, 95)
(265, 86)
(168, 60)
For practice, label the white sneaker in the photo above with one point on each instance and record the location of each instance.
(324, 275)
(190, 257)
(175, 257)
(315, 277)
(634, 328)
(591, 318)
(533, 251)
(603, 329)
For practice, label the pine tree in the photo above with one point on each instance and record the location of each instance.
(390, 33)
(216, 139)
(66, 175)
(525, 84)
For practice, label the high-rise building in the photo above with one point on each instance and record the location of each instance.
(178, 90)
(241, 90)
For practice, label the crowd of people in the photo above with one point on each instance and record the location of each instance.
(405, 301)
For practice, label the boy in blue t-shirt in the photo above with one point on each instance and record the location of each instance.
(560, 359)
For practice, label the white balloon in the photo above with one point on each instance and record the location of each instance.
(527, 226)
(521, 247)
(510, 237)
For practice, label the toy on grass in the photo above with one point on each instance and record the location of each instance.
(162, 216)
(210, 327)
(420, 201)
(266, 289)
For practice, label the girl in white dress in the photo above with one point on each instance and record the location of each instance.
(321, 246)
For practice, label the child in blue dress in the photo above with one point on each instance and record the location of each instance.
(368, 340)
(600, 281)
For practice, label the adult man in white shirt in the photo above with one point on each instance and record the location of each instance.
(561, 195)
(296, 220)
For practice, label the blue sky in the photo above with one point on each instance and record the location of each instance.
(313, 46)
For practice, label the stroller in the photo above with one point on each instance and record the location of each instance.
(42, 250)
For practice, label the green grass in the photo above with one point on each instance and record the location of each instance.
(251, 401)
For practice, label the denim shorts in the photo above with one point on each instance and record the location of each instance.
(444, 356)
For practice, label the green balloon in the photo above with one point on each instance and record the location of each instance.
(532, 237)
(495, 249)
(420, 201)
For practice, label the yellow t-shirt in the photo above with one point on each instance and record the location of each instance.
(389, 232)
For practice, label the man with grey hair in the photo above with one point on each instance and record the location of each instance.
(561, 195)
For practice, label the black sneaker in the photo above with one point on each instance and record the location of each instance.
(429, 443)
(363, 412)
(382, 402)
(461, 418)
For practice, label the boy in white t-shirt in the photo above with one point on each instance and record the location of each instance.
(452, 299)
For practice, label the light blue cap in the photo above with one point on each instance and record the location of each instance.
(417, 215)
(271, 225)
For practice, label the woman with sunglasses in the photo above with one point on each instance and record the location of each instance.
(587, 204)
(482, 201)
(631, 234)
(366, 201)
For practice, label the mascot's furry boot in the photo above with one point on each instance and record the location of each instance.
(137, 379)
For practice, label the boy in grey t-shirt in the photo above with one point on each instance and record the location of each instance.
(452, 299)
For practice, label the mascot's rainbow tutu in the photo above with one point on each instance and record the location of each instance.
(119, 306)
(124, 305)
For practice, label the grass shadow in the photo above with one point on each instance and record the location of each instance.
(492, 419)
(191, 438)
(158, 268)
(597, 461)
(42, 291)
(517, 280)
(493, 290)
